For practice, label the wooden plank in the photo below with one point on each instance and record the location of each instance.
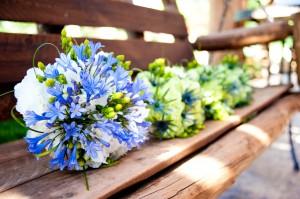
(241, 37)
(210, 172)
(93, 13)
(135, 167)
(12, 150)
(17, 51)
(221, 15)
(296, 32)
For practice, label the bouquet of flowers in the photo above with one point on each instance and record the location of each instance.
(212, 92)
(84, 110)
(235, 81)
(176, 110)
(224, 87)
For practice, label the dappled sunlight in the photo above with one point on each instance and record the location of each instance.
(207, 169)
(99, 32)
(14, 194)
(233, 118)
(18, 27)
(159, 37)
(154, 4)
(170, 151)
(255, 132)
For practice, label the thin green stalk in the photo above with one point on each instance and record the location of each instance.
(6, 93)
(86, 181)
(20, 122)
(37, 50)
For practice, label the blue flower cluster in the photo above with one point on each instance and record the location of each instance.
(92, 111)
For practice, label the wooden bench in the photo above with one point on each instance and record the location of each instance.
(143, 172)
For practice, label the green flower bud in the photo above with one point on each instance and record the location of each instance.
(86, 42)
(110, 115)
(109, 109)
(62, 79)
(63, 32)
(70, 43)
(125, 100)
(70, 145)
(86, 157)
(127, 65)
(118, 107)
(41, 65)
(64, 41)
(40, 78)
(121, 58)
(50, 82)
(117, 96)
(158, 66)
(51, 100)
(81, 162)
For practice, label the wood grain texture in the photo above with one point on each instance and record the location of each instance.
(17, 50)
(296, 31)
(209, 173)
(241, 37)
(100, 13)
(135, 167)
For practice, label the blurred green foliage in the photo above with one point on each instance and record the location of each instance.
(10, 130)
(18, 27)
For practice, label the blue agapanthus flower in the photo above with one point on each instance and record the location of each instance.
(84, 108)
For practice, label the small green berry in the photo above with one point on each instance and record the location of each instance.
(125, 100)
(110, 115)
(86, 42)
(70, 145)
(117, 96)
(121, 58)
(62, 79)
(41, 65)
(40, 78)
(50, 82)
(81, 162)
(51, 100)
(63, 32)
(86, 157)
(118, 107)
(110, 109)
(127, 65)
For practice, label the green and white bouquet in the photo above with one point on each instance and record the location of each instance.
(177, 108)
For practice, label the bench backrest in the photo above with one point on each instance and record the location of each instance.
(16, 50)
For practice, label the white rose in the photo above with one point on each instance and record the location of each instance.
(31, 94)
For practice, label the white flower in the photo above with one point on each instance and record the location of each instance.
(31, 94)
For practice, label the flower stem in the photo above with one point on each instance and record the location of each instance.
(86, 181)
(8, 92)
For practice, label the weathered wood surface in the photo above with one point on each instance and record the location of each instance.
(212, 171)
(296, 31)
(17, 50)
(100, 13)
(221, 18)
(240, 37)
(23, 177)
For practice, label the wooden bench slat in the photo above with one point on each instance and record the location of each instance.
(136, 166)
(212, 171)
(17, 50)
(100, 13)
(241, 37)
(12, 150)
